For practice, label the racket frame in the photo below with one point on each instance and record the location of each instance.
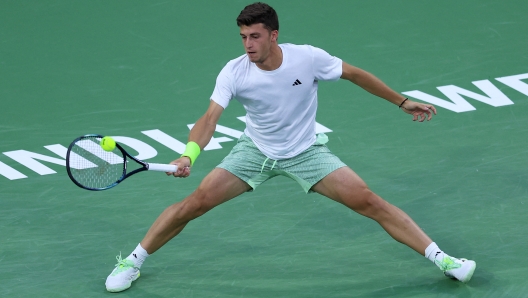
(144, 165)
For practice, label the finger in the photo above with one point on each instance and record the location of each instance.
(432, 108)
(429, 115)
(182, 173)
(178, 173)
(172, 163)
(426, 114)
(430, 111)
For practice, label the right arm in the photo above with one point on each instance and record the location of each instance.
(201, 133)
(203, 130)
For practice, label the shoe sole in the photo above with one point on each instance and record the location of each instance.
(115, 290)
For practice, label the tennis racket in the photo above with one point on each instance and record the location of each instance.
(92, 168)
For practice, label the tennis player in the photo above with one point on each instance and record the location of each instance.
(277, 85)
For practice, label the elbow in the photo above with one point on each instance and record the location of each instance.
(352, 77)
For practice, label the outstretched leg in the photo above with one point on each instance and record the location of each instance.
(218, 187)
(347, 188)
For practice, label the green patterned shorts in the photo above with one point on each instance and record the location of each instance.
(249, 164)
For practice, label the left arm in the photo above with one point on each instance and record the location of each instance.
(375, 86)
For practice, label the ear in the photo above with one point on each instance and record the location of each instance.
(274, 35)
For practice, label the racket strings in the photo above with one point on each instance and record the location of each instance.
(93, 167)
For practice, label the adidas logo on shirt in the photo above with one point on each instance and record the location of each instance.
(297, 82)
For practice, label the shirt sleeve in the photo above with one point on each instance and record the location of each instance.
(224, 88)
(325, 66)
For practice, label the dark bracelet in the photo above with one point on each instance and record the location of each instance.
(401, 104)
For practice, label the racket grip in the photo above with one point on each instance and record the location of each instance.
(162, 167)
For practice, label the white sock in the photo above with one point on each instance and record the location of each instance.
(138, 256)
(434, 253)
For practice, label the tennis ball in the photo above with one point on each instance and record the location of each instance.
(108, 144)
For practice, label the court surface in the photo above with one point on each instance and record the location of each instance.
(130, 68)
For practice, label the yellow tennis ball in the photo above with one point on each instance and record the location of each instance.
(108, 144)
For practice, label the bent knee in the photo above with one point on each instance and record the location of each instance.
(368, 203)
(197, 204)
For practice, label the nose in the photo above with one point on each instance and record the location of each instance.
(247, 43)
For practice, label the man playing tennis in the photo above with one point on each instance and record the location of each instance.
(277, 85)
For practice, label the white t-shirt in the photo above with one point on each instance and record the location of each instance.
(280, 104)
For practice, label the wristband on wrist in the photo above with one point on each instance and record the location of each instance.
(401, 104)
(192, 150)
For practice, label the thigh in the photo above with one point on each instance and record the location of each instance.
(219, 186)
(346, 187)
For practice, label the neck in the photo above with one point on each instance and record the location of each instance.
(274, 59)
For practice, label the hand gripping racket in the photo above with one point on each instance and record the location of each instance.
(92, 168)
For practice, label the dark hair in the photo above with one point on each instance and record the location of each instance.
(259, 13)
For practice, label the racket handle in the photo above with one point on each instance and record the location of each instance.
(162, 167)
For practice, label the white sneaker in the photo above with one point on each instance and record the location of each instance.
(122, 276)
(461, 269)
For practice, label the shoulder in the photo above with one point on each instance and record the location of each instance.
(231, 69)
(235, 68)
(296, 47)
(306, 50)
(239, 62)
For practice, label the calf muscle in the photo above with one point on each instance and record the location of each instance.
(346, 187)
(218, 187)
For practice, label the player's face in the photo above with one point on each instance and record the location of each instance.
(257, 41)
